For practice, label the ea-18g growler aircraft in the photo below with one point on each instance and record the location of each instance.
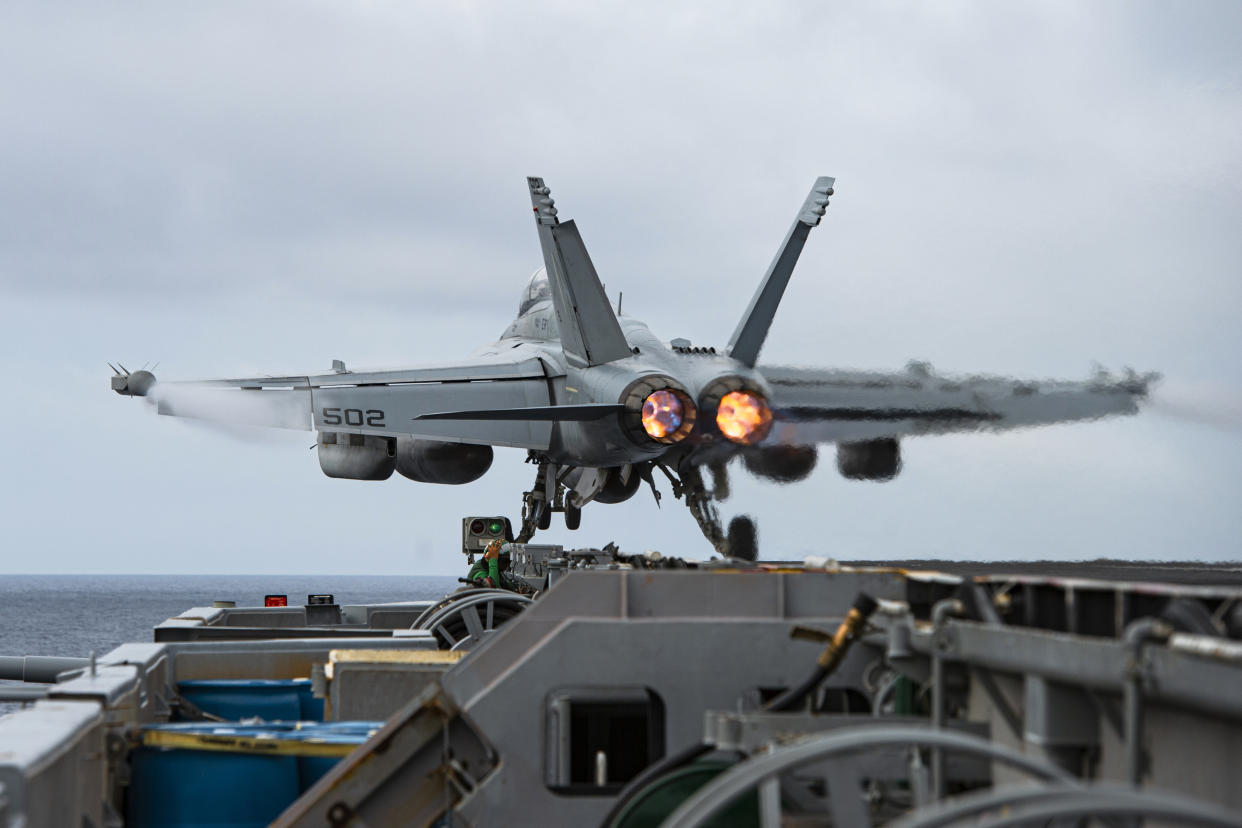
(600, 403)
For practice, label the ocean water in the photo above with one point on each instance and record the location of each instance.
(71, 615)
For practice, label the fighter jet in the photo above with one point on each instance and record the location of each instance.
(601, 404)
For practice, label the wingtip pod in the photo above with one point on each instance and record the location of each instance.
(541, 200)
(816, 203)
(1131, 382)
(1138, 384)
(132, 384)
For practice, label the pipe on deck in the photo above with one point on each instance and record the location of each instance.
(41, 669)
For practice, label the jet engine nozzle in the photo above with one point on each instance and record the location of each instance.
(658, 408)
(664, 415)
(744, 417)
(135, 384)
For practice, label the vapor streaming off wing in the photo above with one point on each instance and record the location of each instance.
(274, 408)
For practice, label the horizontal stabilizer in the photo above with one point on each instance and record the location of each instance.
(543, 413)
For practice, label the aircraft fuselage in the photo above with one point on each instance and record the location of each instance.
(607, 442)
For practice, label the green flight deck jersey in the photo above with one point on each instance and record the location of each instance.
(485, 569)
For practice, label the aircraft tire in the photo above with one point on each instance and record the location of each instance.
(545, 517)
(743, 539)
(573, 516)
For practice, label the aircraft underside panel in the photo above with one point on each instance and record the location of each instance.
(834, 406)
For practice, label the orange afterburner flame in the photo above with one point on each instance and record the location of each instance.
(663, 414)
(744, 417)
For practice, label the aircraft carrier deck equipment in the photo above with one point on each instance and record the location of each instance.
(635, 690)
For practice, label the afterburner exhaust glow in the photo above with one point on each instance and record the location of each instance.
(664, 413)
(744, 417)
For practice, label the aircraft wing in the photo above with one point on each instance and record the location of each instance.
(824, 406)
(379, 402)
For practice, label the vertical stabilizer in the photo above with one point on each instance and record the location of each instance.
(590, 333)
(752, 330)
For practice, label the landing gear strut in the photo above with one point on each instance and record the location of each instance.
(546, 496)
(538, 502)
(741, 540)
(700, 503)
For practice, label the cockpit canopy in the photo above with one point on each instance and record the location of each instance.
(536, 291)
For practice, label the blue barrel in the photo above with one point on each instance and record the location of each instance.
(211, 774)
(282, 700)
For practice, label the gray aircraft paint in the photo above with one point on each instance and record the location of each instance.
(565, 357)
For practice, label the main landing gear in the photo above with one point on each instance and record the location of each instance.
(547, 495)
(742, 539)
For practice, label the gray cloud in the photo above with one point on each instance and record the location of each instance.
(261, 188)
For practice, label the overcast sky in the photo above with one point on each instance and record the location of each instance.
(234, 188)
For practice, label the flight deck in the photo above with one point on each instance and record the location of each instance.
(629, 690)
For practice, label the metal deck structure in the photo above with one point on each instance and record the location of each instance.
(627, 696)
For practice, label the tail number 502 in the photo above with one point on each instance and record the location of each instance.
(372, 417)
